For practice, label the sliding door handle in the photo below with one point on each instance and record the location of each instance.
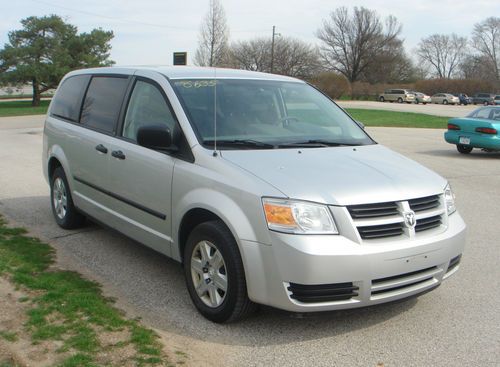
(118, 154)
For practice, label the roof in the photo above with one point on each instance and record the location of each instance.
(191, 72)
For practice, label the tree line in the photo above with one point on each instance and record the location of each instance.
(359, 45)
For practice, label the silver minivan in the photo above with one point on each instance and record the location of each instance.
(261, 186)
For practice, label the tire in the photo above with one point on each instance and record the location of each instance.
(464, 149)
(424, 103)
(400, 100)
(207, 242)
(381, 99)
(486, 103)
(445, 101)
(63, 209)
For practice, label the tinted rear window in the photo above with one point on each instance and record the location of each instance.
(68, 99)
(102, 102)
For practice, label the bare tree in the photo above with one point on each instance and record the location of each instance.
(214, 35)
(352, 42)
(442, 54)
(292, 57)
(391, 65)
(486, 40)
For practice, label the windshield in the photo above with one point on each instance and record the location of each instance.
(265, 114)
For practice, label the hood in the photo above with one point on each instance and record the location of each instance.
(340, 175)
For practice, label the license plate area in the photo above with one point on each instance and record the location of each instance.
(464, 140)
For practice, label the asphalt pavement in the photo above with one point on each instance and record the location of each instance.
(458, 324)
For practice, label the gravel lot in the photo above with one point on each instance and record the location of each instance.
(457, 324)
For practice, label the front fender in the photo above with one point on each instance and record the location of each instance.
(226, 208)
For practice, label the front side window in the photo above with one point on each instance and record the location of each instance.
(147, 106)
(260, 111)
(102, 103)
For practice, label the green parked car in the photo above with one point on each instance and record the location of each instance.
(479, 129)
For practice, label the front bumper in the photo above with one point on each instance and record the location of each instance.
(380, 272)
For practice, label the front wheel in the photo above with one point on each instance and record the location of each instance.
(445, 102)
(486, 103)
(382, 99)
(464, 149)
(400, 100)
(61, 201)
(214, 273)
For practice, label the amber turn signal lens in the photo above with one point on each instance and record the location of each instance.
(278, 214)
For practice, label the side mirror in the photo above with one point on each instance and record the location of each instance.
(156, 137)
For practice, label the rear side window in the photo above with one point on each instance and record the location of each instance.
(68, 99)
(103, 102)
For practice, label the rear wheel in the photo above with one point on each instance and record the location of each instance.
(61, 201)
(464, 149)
(445, 102)
(214, 273)
(485, 103)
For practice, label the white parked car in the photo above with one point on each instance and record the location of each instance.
(445, 98)
(422, 98)
(259, 184)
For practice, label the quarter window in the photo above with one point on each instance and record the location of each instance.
(68, 99)
(147, 106)
(102, 102)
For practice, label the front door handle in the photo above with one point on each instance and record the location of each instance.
(118, 154)
(101, 148)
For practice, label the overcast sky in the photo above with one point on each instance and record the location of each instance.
(147, 32)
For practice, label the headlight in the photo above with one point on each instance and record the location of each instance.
(449, 200)
(299, 217)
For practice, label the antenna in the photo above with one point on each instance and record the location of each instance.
(215, 112)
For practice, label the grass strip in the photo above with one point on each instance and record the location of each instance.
(398, 119)
(22, 108)
(68, 308)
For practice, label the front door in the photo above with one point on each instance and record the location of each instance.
(141, 178)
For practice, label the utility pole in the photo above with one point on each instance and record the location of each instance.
(272, 48)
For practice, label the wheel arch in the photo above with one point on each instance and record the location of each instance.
(211, 205)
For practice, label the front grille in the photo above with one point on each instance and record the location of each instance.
(380, 231)
(428, 223)
(322, 292)
(382, 220)
(454, 263)
(373, 210)
(399, 287)
(425, 203)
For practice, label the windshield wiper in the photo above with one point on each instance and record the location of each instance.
(244, 143)
(315, 143)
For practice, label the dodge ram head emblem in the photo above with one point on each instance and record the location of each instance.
(410, 220)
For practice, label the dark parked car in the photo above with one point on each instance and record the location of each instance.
(483, 98)
(464, 98)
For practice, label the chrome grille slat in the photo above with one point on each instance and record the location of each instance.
(428, 223)
(373, 210)
(425, 203)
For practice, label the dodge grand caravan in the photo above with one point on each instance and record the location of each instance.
(262, 187)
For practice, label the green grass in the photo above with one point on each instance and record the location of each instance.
(65, 306)
(22, 108)
(398, 119)
(9, 336)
